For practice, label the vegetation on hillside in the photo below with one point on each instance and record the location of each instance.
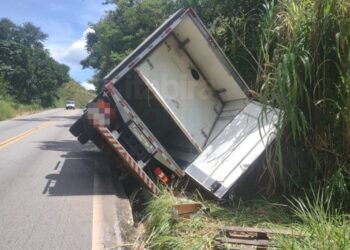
(29, 78)
(69, 91)
(28, 75)
(73, 91)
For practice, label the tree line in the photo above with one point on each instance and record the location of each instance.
(295, 54)
(28, 74)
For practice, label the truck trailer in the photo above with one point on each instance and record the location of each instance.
(176, 106)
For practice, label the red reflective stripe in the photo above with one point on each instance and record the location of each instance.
(130, 65)
(168, 30)
(131, 163)
(192, 13)
(133, 63)
(109, 87)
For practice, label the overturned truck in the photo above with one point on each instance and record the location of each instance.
(175, 107)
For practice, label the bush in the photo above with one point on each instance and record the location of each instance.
(9, 109)
(6, 110)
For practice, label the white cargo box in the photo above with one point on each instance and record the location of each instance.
(203, 116)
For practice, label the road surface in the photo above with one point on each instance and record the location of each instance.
(55, 193)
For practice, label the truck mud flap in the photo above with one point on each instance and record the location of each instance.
(130, 163)
(77, 128)
(83, 138)
(235, 149)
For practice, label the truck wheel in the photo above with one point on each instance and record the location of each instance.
(77, 128)
(83, 138)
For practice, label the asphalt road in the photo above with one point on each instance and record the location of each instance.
(54, 192)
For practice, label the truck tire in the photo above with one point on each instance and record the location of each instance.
(83, 138)
(77, 128)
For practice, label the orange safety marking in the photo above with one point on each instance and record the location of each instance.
(101, 104)
(130, 162)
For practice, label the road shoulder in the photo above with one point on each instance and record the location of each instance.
(112, 213)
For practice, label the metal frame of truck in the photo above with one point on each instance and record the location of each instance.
(153, 148)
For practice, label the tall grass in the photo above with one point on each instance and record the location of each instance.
(304, 70)
(6, 110)
(321, 224)
(9, 109)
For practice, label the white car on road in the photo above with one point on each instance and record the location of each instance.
(70, 104)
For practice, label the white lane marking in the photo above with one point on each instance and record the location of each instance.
(97, 217)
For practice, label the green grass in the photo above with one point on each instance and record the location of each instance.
(6, 110)
(321, 226)
(73, 91)
(9, 109)
(163, 232)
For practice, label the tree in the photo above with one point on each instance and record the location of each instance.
(31, 75)
(123, 29)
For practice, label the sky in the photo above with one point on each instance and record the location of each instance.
(66, 22)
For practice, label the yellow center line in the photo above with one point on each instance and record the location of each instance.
(23, 135)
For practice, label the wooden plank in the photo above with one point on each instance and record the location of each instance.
(245, 235)
(187, 210)
(259, 230)
(219, 246)
(263, 243)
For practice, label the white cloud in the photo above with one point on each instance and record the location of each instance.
(75, 52)
(72, 54)
(88, 86)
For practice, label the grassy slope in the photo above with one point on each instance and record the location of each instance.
(321, 226)
(9, 109)
(69, 91)
(73, 91)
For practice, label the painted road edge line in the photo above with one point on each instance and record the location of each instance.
(97, 216)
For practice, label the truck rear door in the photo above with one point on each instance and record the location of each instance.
(236, 148)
